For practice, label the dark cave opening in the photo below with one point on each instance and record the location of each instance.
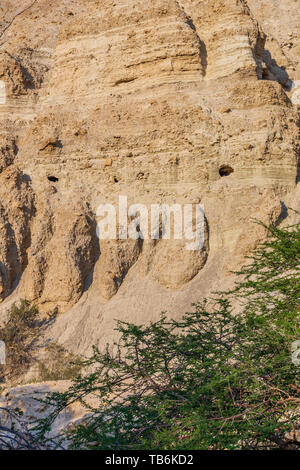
(225, 170)
(53, 179)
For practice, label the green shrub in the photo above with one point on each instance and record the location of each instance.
(20, 334)
(217, 379)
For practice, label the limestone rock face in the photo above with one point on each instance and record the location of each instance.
(62, 254)
(16, 212)
(164, 102)
(116, 258)
(234, 41)
(280, 22)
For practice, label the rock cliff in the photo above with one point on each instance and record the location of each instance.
(166, 101)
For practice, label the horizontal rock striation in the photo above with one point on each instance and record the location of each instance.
(168, 101)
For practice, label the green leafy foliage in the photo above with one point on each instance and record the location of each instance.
(220, 378)
(20, 334)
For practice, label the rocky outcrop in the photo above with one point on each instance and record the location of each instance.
(234, 41)
(62, 254)
(16, 212)
(163, 102)
(280, 22)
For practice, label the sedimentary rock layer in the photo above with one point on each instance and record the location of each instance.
(169, 102)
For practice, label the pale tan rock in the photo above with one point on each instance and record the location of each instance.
(28, 400)
(108, 162)
(62, 254)
(173, 265)
(162, 102)
(116, 258)
(16, 213)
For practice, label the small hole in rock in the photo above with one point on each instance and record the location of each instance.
(53, 179)
(225, 170)
(116, 179)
